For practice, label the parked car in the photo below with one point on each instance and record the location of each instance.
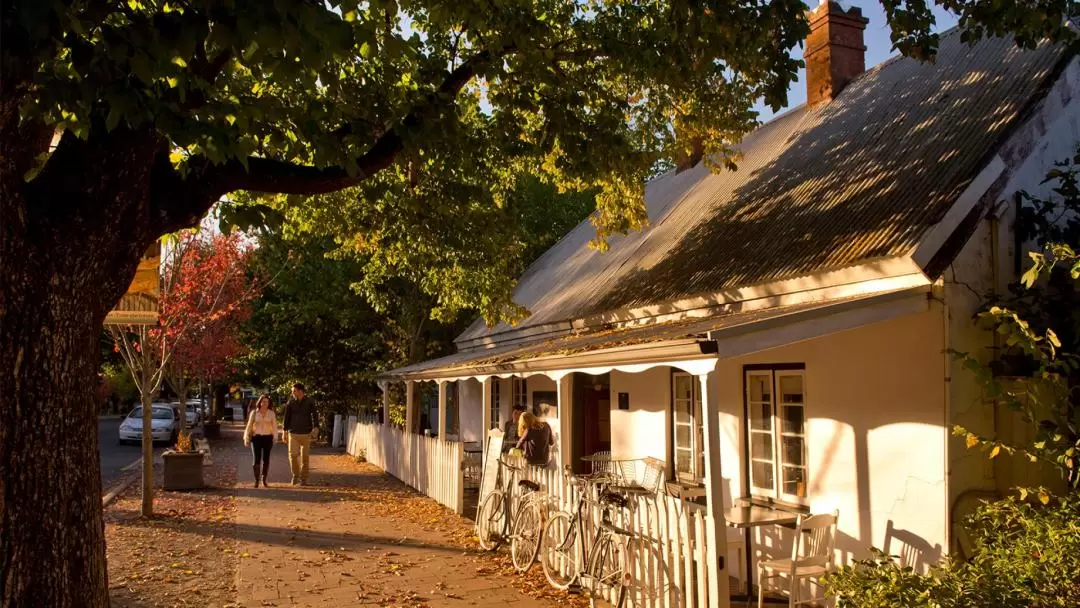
(202, 409)
(192, 413)
(164, 424)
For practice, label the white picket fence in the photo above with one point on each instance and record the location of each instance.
(429, 465)
(669, 565)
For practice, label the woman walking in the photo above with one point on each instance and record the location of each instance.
(536, 439)
(260, 434)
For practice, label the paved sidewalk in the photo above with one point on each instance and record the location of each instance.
(356, 537)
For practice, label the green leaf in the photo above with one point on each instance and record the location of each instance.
(1030, 276)
(1053, 338)
(112, 119)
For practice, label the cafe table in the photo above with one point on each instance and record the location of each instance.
(746, 515)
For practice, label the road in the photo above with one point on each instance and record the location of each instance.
(115, 457)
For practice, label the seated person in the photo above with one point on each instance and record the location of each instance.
(510, 429)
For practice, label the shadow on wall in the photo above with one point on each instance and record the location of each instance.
(910, 550)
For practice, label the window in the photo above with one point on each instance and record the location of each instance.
(453, 420)
(495, 403)
(776, 433)
(519, 394)
(687, 439)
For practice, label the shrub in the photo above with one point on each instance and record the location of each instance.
(1027, 555)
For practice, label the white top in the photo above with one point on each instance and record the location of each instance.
(261, 424)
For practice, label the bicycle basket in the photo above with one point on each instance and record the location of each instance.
(646, 473)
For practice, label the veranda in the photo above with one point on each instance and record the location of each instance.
(445, 463)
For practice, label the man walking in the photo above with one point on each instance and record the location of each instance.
(301, 423)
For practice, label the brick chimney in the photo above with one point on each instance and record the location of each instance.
(835, 53)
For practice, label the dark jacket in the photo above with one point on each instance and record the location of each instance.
(300, 416)
(536, 443)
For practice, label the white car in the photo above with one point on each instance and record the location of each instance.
(203, 411)
(192, 413)
(164, 424)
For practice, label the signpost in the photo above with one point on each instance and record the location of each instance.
(491, 463)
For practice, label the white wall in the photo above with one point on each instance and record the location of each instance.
(540, 383)
(876, 432)
(471, 409)
(643, 429)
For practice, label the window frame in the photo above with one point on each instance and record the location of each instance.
(777, 431)
(519, 394)
(697, 433)
(495, 422)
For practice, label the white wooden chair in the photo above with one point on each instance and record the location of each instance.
(811, 557)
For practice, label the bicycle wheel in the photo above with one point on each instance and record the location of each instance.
(491, 521)
(525, 537)
(607, 571)
(558, 551)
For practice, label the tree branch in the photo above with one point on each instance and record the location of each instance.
(270, 175)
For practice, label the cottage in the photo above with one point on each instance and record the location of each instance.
(780, 333)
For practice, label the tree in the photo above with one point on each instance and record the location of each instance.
(203, 286)
(162, 108)
(335, 320)
(310, 326)
(218, 269)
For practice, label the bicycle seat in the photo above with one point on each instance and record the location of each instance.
(613, 499)
(532, 485)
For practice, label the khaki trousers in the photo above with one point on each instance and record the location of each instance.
(299, 449)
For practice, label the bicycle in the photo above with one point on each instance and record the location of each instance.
(608, 566)
(517, 516)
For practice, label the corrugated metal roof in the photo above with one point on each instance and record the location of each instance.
(586, 341)
(855, 180)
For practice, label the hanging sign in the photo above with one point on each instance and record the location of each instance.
(139, 306)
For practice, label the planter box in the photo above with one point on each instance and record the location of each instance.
(183, 470)
(212, 430)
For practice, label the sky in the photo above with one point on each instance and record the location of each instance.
(878, 46)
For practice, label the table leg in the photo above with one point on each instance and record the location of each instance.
(749, 584)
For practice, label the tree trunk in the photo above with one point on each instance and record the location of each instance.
(147, 508)
(67, 254)
(52, 548)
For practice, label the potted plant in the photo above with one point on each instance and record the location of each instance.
(183, 466)
(212, 429)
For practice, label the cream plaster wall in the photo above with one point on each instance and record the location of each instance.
(643, 429)
(876, 434)
(471, 408)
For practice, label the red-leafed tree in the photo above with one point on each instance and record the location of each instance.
(203, 310)
(205, 293)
